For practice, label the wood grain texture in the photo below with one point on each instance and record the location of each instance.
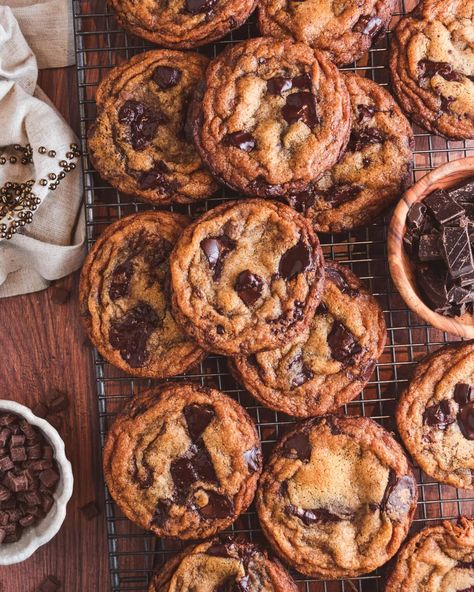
(402, 268)
(43, 347)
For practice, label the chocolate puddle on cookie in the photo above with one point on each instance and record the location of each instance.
(143, 122)
(298, 371)
(166, 77)
(321, 515)
(216, 249)
(294, 261)
(300, 106)
(298, 446)
(249, 287)
(398, 496)
(342, 343)
(335, 195)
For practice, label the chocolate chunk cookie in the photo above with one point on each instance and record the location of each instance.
(435, 415)
(337, 497)
(225, 565)
(374, 170)
(271, 117)
(182, 460)
(328, 363)
(125, 297)
(182, 23)
(432, 67)
(139, 142)
(437, 559)
(344, 30)
(247, 276)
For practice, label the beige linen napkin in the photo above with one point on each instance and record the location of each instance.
(52, 246)
(48, 28)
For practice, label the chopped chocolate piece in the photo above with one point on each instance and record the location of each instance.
(90, 510)
(463, 393)
(249, 287)
(278, 85)
(440, 415)
(6, 464)
(342, 343)
(410, 241)
(309, 517)
(465, 420)
(341, 193)
(4, 436)
(459, 295)
(464, 193)
(456, 251)
(429, 247)
(197, 6)
(198, 417)
(416, 215)
(5, 493)
(432, 281)
(467, 279)
(49, 478)
(50, 584)
(161, 512)
(34, 452)
(46, 503)
(32, 498)
(302, 81)
(443, 208)
(7, 419)
(120, 280)
(365, 113)
(218, 506)
(299, 371)
(166, 77)
(296, 260)
(48, 452)
(18, 454)
(364, 137)
(17, 440)
(16, 482)
(298, 446)
(243, 140)
(27, 520)
(336, 277)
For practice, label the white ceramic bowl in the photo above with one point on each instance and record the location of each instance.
(42, 532)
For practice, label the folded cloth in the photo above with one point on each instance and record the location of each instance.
(48, 28)
(42, 184)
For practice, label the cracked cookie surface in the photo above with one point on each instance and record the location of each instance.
(337, 497)
(435, 415)
(182, 460)
(432, 67)
(246, 276)
(182, 23)
(374, 170)
(272, 116)
(125, 298)
(227, 564)
(344, 29)
(139, 142)
(436, 559)
(328, 363)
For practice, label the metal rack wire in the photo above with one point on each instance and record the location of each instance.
(134, 554)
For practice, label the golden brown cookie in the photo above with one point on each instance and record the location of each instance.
(328, 363)
(139, 142)
(337, 497)
(182, 460)
(125, 297)
(435, 415)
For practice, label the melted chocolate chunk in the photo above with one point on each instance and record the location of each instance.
(342, 343)
(130, 111)
(429, 68)
(300, 106)
(161, 513)
(278, 85)
(303, 200)
(216, 249)
(341, 193)
(365, 113)
(218, 506)
(243, 140)
(302, 81)
(368, 25)
(465, 420)
(198, 417)
(463, 393)
(253, 458)
(309, 517)
(120, 280)
(156, 177)
(331, 422)
(195, 465)
(197, 6)
(337, 278)
(398, 496)
(166, 77)
(364, 137)
(298, 446)
(129, 333)
(442, 207)
(143, 477)
(296, 260)
(439, 415)
(298, 371)
(249, 287)
(143, 122)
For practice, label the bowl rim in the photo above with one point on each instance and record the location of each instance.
(66, 476)
(398, 259)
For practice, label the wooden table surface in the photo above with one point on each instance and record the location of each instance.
(43, 348)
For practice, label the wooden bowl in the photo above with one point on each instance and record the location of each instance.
(402, 268)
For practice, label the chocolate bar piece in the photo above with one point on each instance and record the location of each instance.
(456, 251)
(428, 247)
(432, 281)
(416, 215)
(443, 207)
(464, 193)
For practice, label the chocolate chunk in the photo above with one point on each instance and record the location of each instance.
(432, 281)
(18, 454)
(198, 417)
(32, 498)
(342, 343)
(463, 393)
(456, 251)
(27, 520)
(429, 68)
(17, 440)
(341, 193)
(298, 371)
(303, 200)
(298, 446)
(278, 85)
(443, 208)
(368, 25)
(218, 506)
(365, 113)
(220, 329)
(6, 463)
(195, 465)
(439, 415)
(130, 111)
(16, 482)
(143, 122)
(429, 247)
(243, 140)
(416, 215)
(249, 287)
(90, 510)
(166, 77)
(302, 81)
(197, 6)
(300, 106)
(4, 437)
(458, 295)
(337, 278)
(464, 193)
(465, 420)
(160, 516)
(46, 503)
(130, 333)
(364, 137)
(410, 242)
(49, 478)
(296, 260)
(50, 584)
(253, 458)
(398, 496)
(156, 177)
(216, 249)
(309, 517)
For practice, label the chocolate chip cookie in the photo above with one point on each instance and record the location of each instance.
(328, 363)
(344, 30)
(374, 170)
(140, 142)
(246, 277)
(182, 23)
(337, 497)
(272, 116)
(436, 559)
(435, 415)
(432, 67)
(182, 460)
(125, 297)
(227, 565)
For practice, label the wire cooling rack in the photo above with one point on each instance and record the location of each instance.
(135, 554)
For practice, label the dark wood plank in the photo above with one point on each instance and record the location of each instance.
(43, 347)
